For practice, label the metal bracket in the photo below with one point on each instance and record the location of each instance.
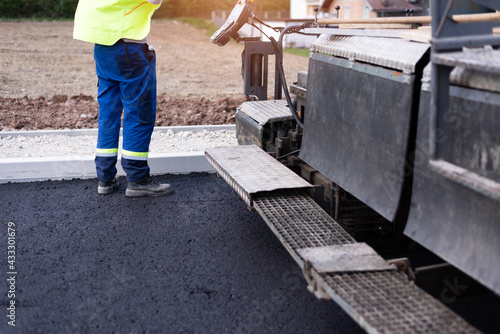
(403, 266)
(313, 284)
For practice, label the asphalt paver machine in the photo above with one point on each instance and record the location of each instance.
(381, 176)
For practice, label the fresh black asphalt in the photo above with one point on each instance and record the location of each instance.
(195, 262)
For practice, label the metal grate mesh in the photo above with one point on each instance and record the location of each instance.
(381, 302)
(386, 302)
(299, 220)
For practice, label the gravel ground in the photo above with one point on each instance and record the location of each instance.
(65, 145)
(51, 78)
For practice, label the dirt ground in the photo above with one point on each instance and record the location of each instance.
(48, 81)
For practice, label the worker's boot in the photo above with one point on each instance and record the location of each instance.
(105, 188)
(148, 187)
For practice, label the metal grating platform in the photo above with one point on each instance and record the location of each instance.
(382, 301)
(299, 222)
(267, 111)
(379, 301)
(386, 302)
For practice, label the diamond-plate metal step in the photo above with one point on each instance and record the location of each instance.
(394, 53)
(266, 111)
(249, 170)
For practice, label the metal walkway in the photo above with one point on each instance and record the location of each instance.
(370, 290)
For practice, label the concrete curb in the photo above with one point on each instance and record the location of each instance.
(93, 132)
(78, 167)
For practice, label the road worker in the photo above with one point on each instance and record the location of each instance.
(126, 71)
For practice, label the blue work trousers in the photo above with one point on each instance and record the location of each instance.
(127, 83)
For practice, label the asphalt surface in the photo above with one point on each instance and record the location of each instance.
(195, 262)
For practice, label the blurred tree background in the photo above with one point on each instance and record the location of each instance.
(37, 8)
(55, 9)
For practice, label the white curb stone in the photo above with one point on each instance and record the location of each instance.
(83, 167)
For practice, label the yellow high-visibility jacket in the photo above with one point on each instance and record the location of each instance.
(106, 21)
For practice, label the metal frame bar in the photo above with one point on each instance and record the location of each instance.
(449, 35)
(263, 49)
